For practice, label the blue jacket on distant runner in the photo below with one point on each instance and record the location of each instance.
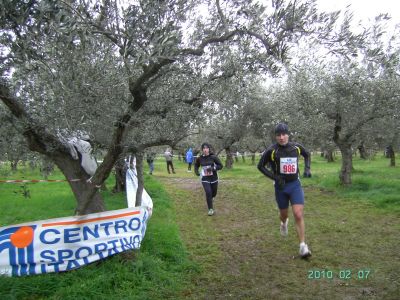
(189, 156)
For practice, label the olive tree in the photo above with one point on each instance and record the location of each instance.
(106, 68)
(345, 100)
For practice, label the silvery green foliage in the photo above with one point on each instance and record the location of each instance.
(80, 64)
(144, 73)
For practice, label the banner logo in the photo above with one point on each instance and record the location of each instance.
(18, 242)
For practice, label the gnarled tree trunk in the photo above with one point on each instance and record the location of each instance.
(347, 163)
(120, 176)
(363, 151)
(229, 158)
(87, 194)
(14, 165)
(343, 141)
(328, 154)
(139, 171)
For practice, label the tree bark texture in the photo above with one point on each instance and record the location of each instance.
(139, 170)
(229, 158)
(14, 165)
(363, 151)
(120, 176)
(328, 155)
(87, 194)
(344, 144)
(347, 163)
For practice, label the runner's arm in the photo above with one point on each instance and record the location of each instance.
(218, 164)
(265, 160)
(196, 166)
(307, 160)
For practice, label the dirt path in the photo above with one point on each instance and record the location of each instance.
(242, 255)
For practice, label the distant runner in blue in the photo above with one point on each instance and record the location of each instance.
(280, 162)
(189, 159)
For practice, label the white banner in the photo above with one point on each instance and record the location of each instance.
(63, 244)
(131, 188)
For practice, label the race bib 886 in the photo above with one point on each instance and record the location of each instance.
(288, 165)
(207, 171)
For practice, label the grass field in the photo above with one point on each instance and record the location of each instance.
(354, 234)
(161, 269)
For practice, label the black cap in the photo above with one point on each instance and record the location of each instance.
(205, 145)
(281, 128)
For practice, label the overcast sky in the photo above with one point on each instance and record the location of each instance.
(364, 9)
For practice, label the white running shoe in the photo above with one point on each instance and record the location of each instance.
(284, 228)
(210, 212)
(304, 251)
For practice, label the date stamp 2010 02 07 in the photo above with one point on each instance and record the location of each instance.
(344, 274)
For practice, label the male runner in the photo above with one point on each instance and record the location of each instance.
(280, 163)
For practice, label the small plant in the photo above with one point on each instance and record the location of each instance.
(25, 191)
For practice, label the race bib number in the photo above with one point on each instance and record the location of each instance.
(207, 171)
(288, 165)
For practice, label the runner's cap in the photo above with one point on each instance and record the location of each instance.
(204, 145)
(281, 128)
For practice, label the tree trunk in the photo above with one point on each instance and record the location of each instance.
(47, 166)
(89, 199)
(392, 160)
(253, 158)
(347, 164)
(344, 144)
(120, 176)
(363, 152)
(328, 154)
(32, 164)
(139, 170)
(229, 158)
(14, 165)
(243, 158)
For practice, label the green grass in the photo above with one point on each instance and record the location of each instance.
(243, 256)
(238, 253)
(160, 270)
(373, 181)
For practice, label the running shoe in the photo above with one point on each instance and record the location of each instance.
(284, 228)
(304, 251)
(210, 212)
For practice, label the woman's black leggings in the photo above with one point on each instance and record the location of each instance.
(211, 192)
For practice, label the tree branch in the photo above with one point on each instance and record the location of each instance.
(37, 137)
(199, 51)
(221, 14)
